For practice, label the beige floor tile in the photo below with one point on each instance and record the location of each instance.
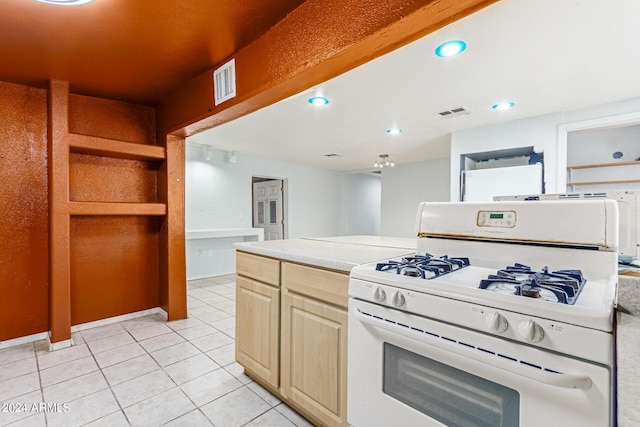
(110, 342)
(73, 369)
(230, 332)
(101, 332)
(189, 369)
(211, 386)
(129, 369)
(228, 323)
(84, 410)
(293, 416)
(75, 388)
(116, 419)
(197, 331)
(160, 409)
(138, 389)
(47, 359)
(264, 394)
(177, 325)
(211, 342)
(223, 355)
(161, 341)
(271, 418)
(19, 386)
(119, 354)
(142, 322)
(21, 407)
(191, 419)
(18, 368)
(176, 353)
(37, 420)
(13, 354)
(237, 371)
(236, 408)
(150, 331)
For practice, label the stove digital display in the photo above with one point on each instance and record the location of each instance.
(496, 216)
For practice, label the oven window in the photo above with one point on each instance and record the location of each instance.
(453, 397)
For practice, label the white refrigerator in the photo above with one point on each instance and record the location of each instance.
(481, 185)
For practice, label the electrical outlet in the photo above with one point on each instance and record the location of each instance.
(200, 252)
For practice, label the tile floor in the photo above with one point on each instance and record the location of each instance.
(143, 372)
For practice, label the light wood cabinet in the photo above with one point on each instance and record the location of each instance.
(314, 341)
(291, 334)
(314, 357)
(258, 329)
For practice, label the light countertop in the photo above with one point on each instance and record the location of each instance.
(628, 342)
(331, 254)
(380, 241)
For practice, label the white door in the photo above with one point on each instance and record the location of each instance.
(267, 208)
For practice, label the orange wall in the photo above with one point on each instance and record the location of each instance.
(23, 211)
(114, 260)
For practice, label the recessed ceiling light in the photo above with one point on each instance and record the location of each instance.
(66, 2)
(503, 105)
(451, 48)
(318, 101)
(394, 131)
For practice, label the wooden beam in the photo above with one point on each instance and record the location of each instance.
(59, 229)
(291, 57)
(173, 272)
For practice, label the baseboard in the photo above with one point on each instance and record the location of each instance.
(23, 340)
(116, 319)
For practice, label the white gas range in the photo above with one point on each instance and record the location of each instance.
(504, 317)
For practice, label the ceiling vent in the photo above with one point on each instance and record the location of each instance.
(454, 112)
(224, 82)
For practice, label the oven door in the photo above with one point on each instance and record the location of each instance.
(408, 370)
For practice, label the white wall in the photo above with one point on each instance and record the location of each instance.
(218, 194)
(404, 187)
(541, 132)
(361, 199)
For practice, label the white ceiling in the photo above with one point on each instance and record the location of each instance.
(544, 55)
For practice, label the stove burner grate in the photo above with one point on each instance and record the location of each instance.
(423, 266)
(562, 286)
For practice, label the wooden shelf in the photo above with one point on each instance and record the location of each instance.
(603, 165)
(84, 144)
(105, 208)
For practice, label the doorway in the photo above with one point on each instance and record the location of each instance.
(268, 202)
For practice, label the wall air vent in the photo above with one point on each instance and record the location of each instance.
(224, 82)
(454, 112)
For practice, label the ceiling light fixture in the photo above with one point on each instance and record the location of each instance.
(451, 48)
(383, 162)
(394, 131)
(66, 2)
(503, 105)
(318, 101)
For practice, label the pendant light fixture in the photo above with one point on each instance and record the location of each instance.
(384, 161)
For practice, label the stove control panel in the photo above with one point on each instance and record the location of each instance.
(501, 219)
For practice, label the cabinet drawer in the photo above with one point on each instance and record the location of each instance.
(324, 285)
(257, 267)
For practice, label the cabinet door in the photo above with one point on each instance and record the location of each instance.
(257, 328)
(314, 358)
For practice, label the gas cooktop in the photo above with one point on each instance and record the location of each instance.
(423, 266)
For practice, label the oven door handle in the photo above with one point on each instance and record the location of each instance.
(582, 382)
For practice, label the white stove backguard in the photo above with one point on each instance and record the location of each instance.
(591, 223)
